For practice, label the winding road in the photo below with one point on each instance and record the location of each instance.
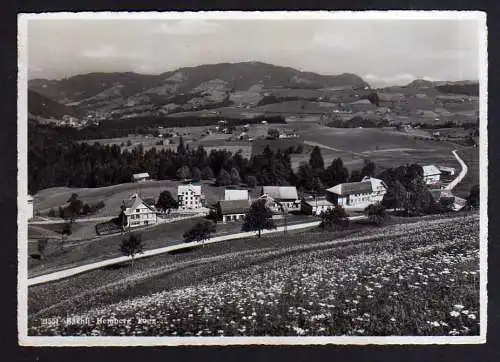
(461, 175)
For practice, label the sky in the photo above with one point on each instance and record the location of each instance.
(382, 52)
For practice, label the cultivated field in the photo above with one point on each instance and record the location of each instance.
(367, 282)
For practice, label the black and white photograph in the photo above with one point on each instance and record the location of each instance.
(228, 178)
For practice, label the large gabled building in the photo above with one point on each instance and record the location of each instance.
(139, 212)
(354, 195)
(232, 210)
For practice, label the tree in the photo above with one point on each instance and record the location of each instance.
(251, 181)
(214, 216)
(181, 149)
(121, 220)
(335, 173)
(368, 169)
(316, 160)
(375, 213)
(418, 200)
(207, 173)
(335, 218)
(223, 178)
(74, 209)
(473, 198)
(235, 177)
(183, 173)
(195, 174)
(258, 217)
(305, 176)
(273, 134)
(199, 232)
(166, 202)
(317, 186)
(395, 196)
(355, 176)
(132, 245)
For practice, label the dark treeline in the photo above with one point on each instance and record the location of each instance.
(54, 160)
(359, 122)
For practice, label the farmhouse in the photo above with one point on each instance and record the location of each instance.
(235, 194)
(285, 196)
(316, 207)
(140, 177)
(431, 174)
(139, 212)
(189, 196)
(232, 210)
(357, 194)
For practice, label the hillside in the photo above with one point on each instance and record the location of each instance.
(42, 106)
(201, 87)
(363, 282)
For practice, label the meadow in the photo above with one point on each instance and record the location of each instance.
(419, 278)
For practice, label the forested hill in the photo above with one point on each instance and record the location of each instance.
(40, 105)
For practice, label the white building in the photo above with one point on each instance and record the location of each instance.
(432, 174)
(316, 207)
(140, 177)
(29, 208)
(232, 210)
(357, 194)
(236, 194)
(139, 212)
(189, 197)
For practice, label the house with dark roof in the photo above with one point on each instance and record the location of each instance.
(356, 195)
(232, 210)
(139, 212)
(282, 196)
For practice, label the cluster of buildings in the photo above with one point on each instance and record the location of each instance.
(353, 196)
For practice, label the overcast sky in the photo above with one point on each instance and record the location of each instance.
(380, 51)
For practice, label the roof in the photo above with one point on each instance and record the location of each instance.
(140, 175)
(135, 201)
(350, 188)
(430, 170)
(281, 192)
(234, 206)
(195, 188)
(321, 202)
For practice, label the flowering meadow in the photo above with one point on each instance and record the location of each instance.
(409, 281)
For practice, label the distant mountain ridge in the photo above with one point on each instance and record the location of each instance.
(44, 107)
(230, 76)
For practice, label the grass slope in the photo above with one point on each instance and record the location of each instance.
(371, 282)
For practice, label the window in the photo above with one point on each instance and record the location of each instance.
(137, 210)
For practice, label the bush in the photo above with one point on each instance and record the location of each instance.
(334, 219)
